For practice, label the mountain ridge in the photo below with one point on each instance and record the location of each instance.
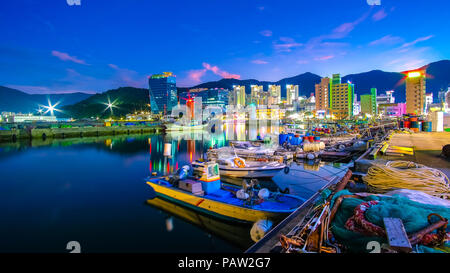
(136, 99)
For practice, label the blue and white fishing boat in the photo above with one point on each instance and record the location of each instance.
(203, 191)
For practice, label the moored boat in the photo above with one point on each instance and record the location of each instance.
(207, 194)
(188, 127)
(238, 167)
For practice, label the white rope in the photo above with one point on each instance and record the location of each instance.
(408, 175)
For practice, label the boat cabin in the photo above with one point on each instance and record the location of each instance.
(209, 176)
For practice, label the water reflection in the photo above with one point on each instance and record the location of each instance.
(91, 189)
(235, 233)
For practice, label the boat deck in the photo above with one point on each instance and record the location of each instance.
(282, 203)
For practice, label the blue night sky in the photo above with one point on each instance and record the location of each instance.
(50, 46)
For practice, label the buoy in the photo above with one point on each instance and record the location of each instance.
(310, 156)
(322, 145)
(260, 229)
(241, 194)
(263, 193)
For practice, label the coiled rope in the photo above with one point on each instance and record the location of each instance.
(408, 175)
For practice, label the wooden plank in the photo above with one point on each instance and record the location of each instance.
(397, 237)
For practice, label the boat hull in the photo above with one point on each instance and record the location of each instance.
(174, 128)
(249, 172)
(215, 208)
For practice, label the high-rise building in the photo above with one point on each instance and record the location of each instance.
(441, 95)
(237, 96)
(291, 93)
(386, 98)
(163, 92)
(369, 103)
(415, 92)
(356, 106)
(322, 94)
(210, 97)
(255, 94)
(341, 98)
(428, 101)
(447, 99)
(274, 94)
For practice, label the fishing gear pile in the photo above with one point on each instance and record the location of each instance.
(407, 175)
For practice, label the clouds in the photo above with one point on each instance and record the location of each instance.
(324, 58)
(195, 76)
(421, 39)
(379, 15)
(259, 62)
(266, 33)
(66, 57)
(285, 44)
(386, 40)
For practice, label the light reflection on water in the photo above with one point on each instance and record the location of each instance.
(92, 190)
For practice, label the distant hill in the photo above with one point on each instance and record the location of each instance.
(438, 72)
(13, 100)
(305, 81)
(125, 100)
(130, 99)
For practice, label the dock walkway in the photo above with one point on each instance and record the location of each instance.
(427, 149)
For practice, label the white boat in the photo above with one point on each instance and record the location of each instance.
(241, 149)
(239, 168)
(189, 127)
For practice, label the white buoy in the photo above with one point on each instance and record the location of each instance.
(259, 229)
(310, 156)
(167, 149)
(263, 193)
(322, 145)
(241, 194)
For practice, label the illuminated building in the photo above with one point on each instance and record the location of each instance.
(415, 92)
(356, 106)
(447, 100)
(162, 92)
(237, 96)
(256, 94)
(428, 101)
(274, 94)
(291, 94)
(386, 98)
(322, 94)
(341, 98)
(307, 104)
(392, 109)
(369, 103)
(212, 96)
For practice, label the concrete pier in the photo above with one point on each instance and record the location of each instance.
(38, 133)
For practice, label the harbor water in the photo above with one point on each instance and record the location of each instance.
(92, 191)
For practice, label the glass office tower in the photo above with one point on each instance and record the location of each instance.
(163, 92)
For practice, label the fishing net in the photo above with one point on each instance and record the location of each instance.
(413, 214)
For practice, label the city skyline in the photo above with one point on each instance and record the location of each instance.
(121, 43)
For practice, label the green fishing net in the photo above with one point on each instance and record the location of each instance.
(413, 214)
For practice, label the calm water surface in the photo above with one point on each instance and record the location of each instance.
(92, 190)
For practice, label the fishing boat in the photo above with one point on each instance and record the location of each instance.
(188, 127)
(242, 149)
(238, 167)
(202, 190)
